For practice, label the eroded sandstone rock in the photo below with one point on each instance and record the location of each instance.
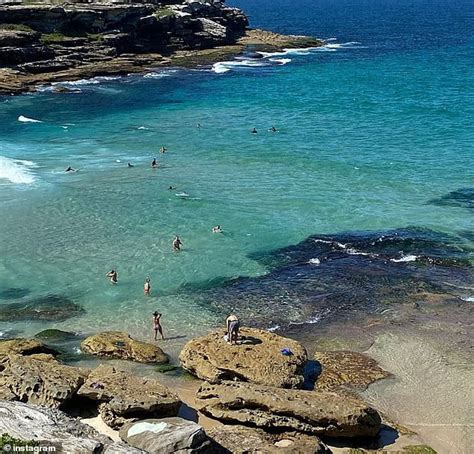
(22, 346)
(312, 412)
(123, 397)
(52, 427)
(237, 439)
(166, 436)
(116, 344)
(39, 381)
(258, 359)
(342, 368)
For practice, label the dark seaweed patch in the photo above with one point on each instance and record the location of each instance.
(13, 293)
(49, 307)
(356, 273)
(463, 198)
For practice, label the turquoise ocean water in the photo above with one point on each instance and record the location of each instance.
(372, 129)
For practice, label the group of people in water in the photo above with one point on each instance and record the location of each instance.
(232, 322)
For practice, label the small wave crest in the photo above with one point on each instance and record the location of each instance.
(405, 258)
(17, 171)
(24, 119)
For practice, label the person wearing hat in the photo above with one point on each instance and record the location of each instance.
(157, 325)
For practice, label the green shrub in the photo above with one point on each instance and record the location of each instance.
(7, 439)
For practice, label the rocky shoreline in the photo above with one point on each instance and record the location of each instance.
(266, 392)
(40, 44)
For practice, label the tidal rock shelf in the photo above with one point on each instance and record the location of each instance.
(253, 391)
(41, 44)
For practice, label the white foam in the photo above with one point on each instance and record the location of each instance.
(348, 45)
(17, 171)
(273, 328)
(405, 258)
(225, 66)
(353, 251)
(280, 61)
(24, 119)
(314, 261)
(142, 128)
(341, 245)
(469, 299)
(220, 68)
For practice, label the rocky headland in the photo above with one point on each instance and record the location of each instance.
(264, 394)
(41, 44)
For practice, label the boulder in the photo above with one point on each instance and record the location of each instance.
(245, 440)
(344, 368)
(211, 31)
(34, 380)
(258, 359)
(125, 398)
(166, 436)
(55, 335)
(52, 427)
(116, 344)
(24, 347)
(319, 413)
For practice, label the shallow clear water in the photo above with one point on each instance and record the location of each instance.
(372, 129)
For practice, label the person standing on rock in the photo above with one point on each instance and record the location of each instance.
(232, 325)
(157, 325)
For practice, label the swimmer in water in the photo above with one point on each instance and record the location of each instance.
(254, 131)
(163, 150)
(157, 325)
(217, 229)
(113, 276)
(177, 243)
(154, 164)
(70, 169)
(130, 165)
(198, 125)
(273, 129)
(172, 188)
(147, 286)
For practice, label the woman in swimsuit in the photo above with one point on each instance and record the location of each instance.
(147, 286)
(157, 325)
(113, 276)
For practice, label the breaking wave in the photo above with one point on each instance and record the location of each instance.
(17, 171)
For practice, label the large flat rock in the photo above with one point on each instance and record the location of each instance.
(312, 412)
(124, 398)
(24, 347)
(39, 380)
(51, 427)
(167, 436)
(258, 359)
(117, 344)
(245, 440)
(347, 369)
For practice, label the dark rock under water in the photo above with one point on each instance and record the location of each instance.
(49, 307)
(332, 277)
(463, 198)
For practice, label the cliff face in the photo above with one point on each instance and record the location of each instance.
(40, 38)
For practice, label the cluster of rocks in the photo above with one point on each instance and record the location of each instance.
(41, 44)
(256, 387)
(100, 39)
